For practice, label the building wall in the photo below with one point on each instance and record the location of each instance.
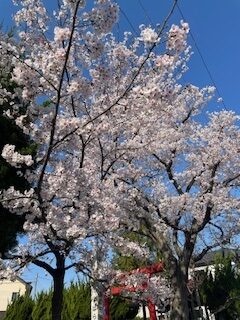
(7, 288)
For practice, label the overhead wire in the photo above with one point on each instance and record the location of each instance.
(129, 21)
(203, 60)
(145, 12)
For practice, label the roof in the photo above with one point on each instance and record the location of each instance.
(27, 284)
(210, 257)
(23, 281)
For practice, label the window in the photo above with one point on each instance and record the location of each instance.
(15, 295)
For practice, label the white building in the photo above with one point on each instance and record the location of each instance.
(10, 290)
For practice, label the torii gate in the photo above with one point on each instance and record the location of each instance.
(115, 291)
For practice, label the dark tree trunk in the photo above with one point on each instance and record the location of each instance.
(180, 307)
(58, 286)
(144, 312)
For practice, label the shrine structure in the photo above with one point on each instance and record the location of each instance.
(121, 289)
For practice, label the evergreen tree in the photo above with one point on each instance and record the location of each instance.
(121, 309)
(42, 306)
(20, 309)
(10, 133)
(221, 292)
(77, 306)
(77, 302)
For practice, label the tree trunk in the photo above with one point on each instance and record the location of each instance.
(180, 308)
(58, 286)
(144, 312)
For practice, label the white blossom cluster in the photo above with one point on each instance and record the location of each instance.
(177, 37)
(15, 158)
(61, 34)
(120, 144)
(149, 36)
(104, 17)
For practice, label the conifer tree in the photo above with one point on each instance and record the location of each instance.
(122, 309)
(221, 292)
(77, 301)
(10, 133)
(20, 309)
(42, 306)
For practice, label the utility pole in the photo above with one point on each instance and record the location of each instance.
(96, 291)
(35, 289)
(96, 303)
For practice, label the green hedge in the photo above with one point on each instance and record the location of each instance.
(77, 303)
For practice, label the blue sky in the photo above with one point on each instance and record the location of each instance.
(215, 25)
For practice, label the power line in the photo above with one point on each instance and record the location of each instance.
(202, 59)
(145, 12)
(193, 39)
(129, 21)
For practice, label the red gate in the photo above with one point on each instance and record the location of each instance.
(115, 291)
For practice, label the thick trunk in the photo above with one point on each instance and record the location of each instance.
(58, 286)
(180, 307)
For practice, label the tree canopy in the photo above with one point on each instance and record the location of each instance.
(11, 133)
(121, 147)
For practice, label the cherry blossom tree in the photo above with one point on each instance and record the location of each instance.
(63, 78)
(64, 206)
(181, 177)
(121, 145)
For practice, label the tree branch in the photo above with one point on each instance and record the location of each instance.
(129, 87)
(168, 167)
(50, 144)
(44, 265)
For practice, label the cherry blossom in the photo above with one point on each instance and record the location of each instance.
(121, 146)
(15, 158)
(149, 36)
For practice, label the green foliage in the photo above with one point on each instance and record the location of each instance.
(121, 309)
(42, 306)
(46, 103)
(221, 293)
(77, 306)
(77, 302)
(10, 224)
(128, 263)
(20, 309)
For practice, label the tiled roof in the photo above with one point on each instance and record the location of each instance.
(210, 257)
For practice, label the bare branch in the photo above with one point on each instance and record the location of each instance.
(44, 265)
(229, 180)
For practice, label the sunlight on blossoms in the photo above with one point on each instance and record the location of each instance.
(128, 163)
